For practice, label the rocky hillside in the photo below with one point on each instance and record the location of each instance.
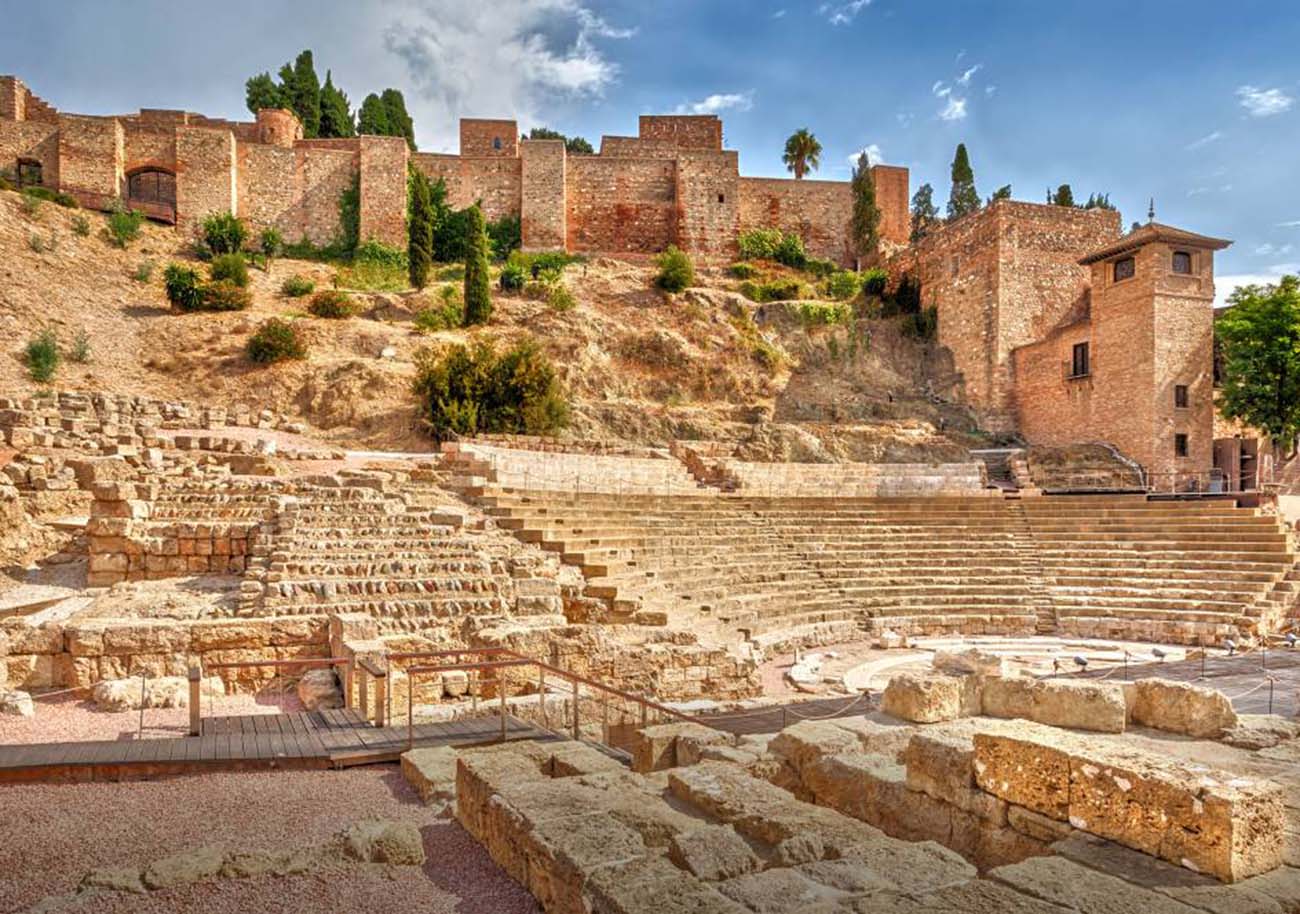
(639, 364)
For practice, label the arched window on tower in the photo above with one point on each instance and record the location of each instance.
(1182, 262)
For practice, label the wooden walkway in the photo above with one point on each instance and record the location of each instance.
(254, 742)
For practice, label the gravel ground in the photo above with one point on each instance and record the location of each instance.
(54, 833)
(68, 717)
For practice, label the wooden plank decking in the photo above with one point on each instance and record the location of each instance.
(255, 742)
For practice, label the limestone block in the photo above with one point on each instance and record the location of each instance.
(114, 879)
(807, 741)
(780, 890)
(1261, 731)
(1009, 697)
(1022, 766)
(18, 704)
(381, 841)
(431, 772)
(319, 689)
(1063, 882)
(713, 853)
(941, 763)
(655, 748)
(879, 733)
(455, 683)
(924, 698)
(180, 869)
(572, 759)
(652, 884)
(1037, 826)
(1181, 707)
(968, 662)
(1081, 705)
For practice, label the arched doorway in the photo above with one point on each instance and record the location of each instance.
(153, 192)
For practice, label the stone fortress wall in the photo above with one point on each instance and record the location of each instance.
(674, 183)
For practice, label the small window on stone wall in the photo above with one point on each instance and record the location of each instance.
(1079, 363)
(1124, 269)
(29, 173)
(1180, 445)
(722, 198)
(1180, 396)
(496, 142)
(1182, 262)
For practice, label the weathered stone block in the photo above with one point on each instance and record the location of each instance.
(1181, 707)
(924, 698)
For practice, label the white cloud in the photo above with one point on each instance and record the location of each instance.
(1264, 102)
(1202, 190)
(1273, 250)
(778, 14)
(712, 104)
(1225, 285)
(965, 78)
(1294, 223)
(509, 58)
(940, 89)
(955, 110)
(843, 13)
(989, 90)
(1205, 140)
(874, 155)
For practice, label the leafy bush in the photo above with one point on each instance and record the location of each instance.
(447, 314)
(790, 251)
(676, 272)
(143, 272)
(230, 268)
(332, 304)
(42, 356)
(536, 290)
(224, 233)
(759, 244)
(512, 278)
(224, 296)
(560, 298)
(123, 226)
(506, 234)
(80, 226)
(820, 314)
(843, 284)
(468, 391)
(536, 263)
(874, 281)
(38, 244)
(271, 243)
(31, 206)
(379, 253)
(275, 341)
(820, 269)
(7, 180)
(742, 270)
(376, 267)
(760, 349)
(781, 289)
(297, 286)
(184, 291)
(52, 195)
(80, 347)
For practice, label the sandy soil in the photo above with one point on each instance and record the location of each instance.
(55, 833)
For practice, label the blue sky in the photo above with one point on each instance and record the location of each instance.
(1195, 103)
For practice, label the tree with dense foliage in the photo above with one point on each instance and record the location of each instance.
(372, 117)
(866, 213)
(573, 145)
(335, 111)
(478, 279)
(1002, 193)
(963, 198)
(1259, 341)
(925, 215)
(1064, 196)
(262, 91)
(802, 153)
(1099, 201)
(399, 122)
(300, 90)
(419, 227)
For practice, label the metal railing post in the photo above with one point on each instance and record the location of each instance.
(196, 699)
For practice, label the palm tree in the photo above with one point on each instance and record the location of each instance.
(802, 152)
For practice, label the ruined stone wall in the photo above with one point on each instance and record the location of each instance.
(91, 158)
(542, 197)
(37, 140)
(383, 189)
(18, 103)
(632, 147)
(893, 198)
(689, 131)
(206, 172)
(708, 201)
(295, 189)
(817, 211)
(494, 180)
(620, 205)
(488, 137)
(148, 145)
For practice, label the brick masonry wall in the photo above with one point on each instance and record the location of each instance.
(495, 180)
(893, 197)
(37, 140)
(383, 189)
(692, 131)
(543, 207)
(205, 173)
(623, 206)
(488, 137)
(636, 148)
(1053, 408)
(817, 211)
(91, 158)
(148, 145)
(323, 175)
(708, 202)
(296, 190)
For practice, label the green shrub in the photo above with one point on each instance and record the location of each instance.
(38, 244)
(80, 347)
(53, 196)
(820, 269)
(377, 252)
(42, 356)
(790, 251)
(230, 268)
(506, 236)
(274, 341)
(536, 263)
(332, 304)
(446, 315)
(224, 296)
(143, 272)
(512, 277)
(349, 235)
(560, 298)
(271, 243)
(376, 267)
(843, 285)
(31, 206)
(742, 270)
(454, 272)
(297, 286)
(123, 226)
(820, 314)
(781, 289)
(874, 281)
(760, 349)
(759, 244)
(6, 180)
(676, 272)
(224, 233)
(80, 226)
(470, 391)
(182, 286)
(536, 290)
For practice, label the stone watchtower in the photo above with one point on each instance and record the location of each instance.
(1150, 354)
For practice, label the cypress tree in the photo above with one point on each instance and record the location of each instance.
(478, 287)
(419, 227)
(924, 213)
(399, 122)
(300, 88)
(1064, 196)
(866, 214)
(335, 112)
(372, 118)
(261, 91)
(964, 198)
